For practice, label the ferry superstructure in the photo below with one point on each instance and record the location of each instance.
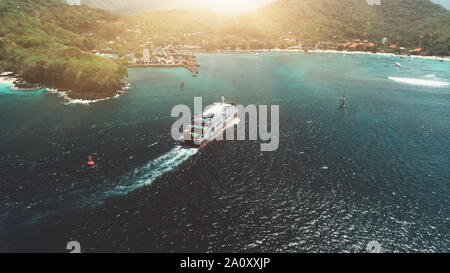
(213, 122)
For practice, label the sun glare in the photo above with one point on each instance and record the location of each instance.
(236, 5)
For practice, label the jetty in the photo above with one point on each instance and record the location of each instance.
(192, 70)
(190, 67)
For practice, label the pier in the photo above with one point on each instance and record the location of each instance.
(189, 67)
(192, 70)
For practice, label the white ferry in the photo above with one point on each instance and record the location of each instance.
(214, 121)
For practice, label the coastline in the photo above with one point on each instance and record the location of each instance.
(7, 80)
(381, 54)
(15, 82)
(330, 51)
(73, 100)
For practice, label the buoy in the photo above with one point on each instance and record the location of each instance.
(90, 162)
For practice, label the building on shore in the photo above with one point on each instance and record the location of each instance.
(146, 56)
(416, 51)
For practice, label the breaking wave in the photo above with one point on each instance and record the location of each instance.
(70, 101)
(420, 82)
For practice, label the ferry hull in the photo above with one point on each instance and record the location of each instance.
(190, 143)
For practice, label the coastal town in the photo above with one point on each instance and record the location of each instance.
(138, 46)
(172, 56)
(168, 55)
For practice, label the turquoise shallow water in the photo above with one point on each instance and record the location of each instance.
(387, 157)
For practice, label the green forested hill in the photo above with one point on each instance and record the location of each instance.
(180, 21)
(42, 39)
(49, 42)
(408, 22)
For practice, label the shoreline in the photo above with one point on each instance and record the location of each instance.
(330, 51)
(16, 83)
(7, 80)
(381, 54)
(72, 100)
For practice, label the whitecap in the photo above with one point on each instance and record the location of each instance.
(70, 101)
(7, 81)
(81, 101)
(420, 82)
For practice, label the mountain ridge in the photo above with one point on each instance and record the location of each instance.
(409, 23)
(128, 7)
(47, 43)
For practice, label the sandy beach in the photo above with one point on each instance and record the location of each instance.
(381, 54)
(341, 52)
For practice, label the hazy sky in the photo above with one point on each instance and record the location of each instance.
(246, 5)
(234, 6)
(445, 3)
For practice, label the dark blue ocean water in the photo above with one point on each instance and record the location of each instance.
(387, 153)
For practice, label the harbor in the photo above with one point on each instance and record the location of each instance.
(190, 67)
(164, 57)
(346, 167)
(341, 168)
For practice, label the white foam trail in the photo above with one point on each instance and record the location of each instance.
(147, 174)
(137, 179)
(420, 82)
(69, 101)
(86, 102)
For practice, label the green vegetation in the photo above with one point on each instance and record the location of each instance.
(43, 41)
(50, 43)
(407, 23)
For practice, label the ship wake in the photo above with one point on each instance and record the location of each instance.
(24, 213)
(146, 175)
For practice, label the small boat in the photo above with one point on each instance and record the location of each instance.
(182, 84)
(342, 102)
(90, 161)
(256, 54)
(397, 64)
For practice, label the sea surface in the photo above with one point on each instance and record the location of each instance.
(378, 171)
